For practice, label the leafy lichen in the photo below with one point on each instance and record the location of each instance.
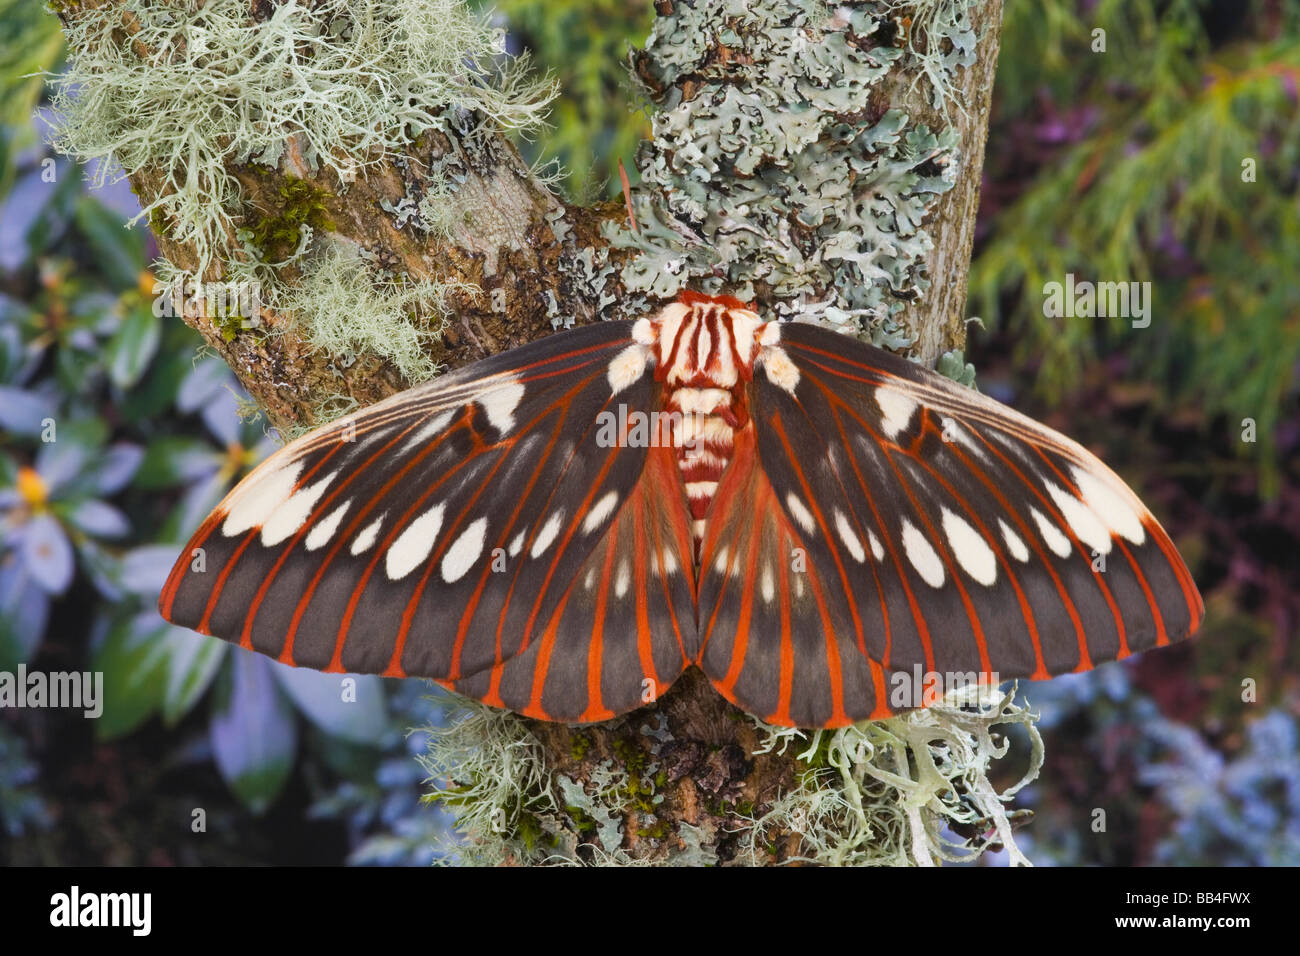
(774, 168)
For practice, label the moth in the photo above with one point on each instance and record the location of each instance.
(564, 528)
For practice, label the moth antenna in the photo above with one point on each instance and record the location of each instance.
(627, 196)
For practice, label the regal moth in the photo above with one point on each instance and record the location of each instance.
(806, 518)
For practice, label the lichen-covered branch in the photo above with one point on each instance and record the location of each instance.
(960, 99)
(347, 159)
(823, 159)
(674, 786)
(267, 140)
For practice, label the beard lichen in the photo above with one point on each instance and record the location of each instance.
(347, 311)
(913, 790)
(510, 808)
(192, 89)
(202, 96)
(893, 792)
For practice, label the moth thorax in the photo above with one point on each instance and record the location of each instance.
(706, 351)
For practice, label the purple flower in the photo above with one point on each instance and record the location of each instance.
(51, 509)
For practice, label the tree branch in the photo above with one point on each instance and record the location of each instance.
(826, 168)
(510, 254)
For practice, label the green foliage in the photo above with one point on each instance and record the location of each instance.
(122, 436)
(1149, 185)
(595, 122)
(30, 41)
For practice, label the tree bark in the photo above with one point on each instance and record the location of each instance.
(939, 318)
(502, 265)
(518, 254)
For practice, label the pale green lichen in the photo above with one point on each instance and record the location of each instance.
(338, 83)
(438, 214)
(876, 793)
(330, 407)
(509, 807)
(490, 772)
(940, 39)
(886, 792)
(346, 311)
(781, 171)
(953, 365)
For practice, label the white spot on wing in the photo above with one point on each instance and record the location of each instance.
(465, 550)
(849, 537)
(623, 580)
(768, 584)
(626, 368)
(599, 512)
(320, 535)
(1058, 542)
(367, 536)
(548, 534)
(922, 555)
(258, 498)
(720, 565)
(499, 405)
(430, 430)
(1017, 547)
(877, 548)
(1110, 506)
(1087, 527)
(781, 372)
(413, 545)
(802, 516)
(897, 409)
(293, 514)
(970, 549)
(516, 545)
